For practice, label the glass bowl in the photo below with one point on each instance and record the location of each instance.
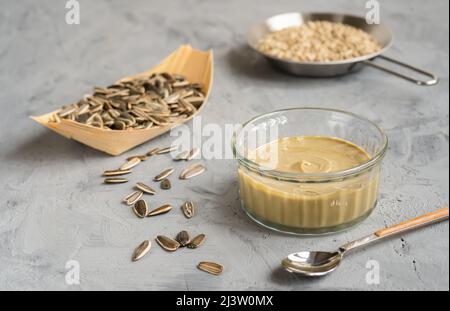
(308, 203)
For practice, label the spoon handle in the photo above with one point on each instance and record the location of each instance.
(414, 223)
(426, 219)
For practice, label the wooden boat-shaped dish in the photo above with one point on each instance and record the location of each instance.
(195, 65)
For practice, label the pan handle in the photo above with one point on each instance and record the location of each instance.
(434, 79)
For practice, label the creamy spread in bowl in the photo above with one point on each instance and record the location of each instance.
(315, 183)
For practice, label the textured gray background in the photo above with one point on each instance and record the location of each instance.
(53, 206)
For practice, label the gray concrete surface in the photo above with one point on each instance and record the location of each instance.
(54, 208)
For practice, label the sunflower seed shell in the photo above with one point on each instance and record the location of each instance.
(141, 250)
(197, 241)
(210, 267)
(160, 210)
(115, 180)
(116, 172)
(192, 171)
(144, 188)
(183, 238)
(165, 184)
(133, 197)
(130, 164)
(164, 174)
(140, 208)
(167, 243)
(188, 209)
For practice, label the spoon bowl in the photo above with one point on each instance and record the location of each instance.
(312, 263)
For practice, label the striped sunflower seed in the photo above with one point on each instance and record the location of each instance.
(167, 243)
(152, 152)
(197, 241)
(141, 250)
(160, 210)
(192, 171)
(115, 180)
(188, 209)
(116, 172)
(144, 188)
(210, 267)
(140, 208)
(192, 154)
(183, 238)
(133, 197)
(167, 149)
(130, 164)
(141, 157)
(163, 174)
(182, 156)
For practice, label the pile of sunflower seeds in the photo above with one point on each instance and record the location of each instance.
(141, 103)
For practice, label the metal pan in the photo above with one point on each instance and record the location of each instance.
(335, 68)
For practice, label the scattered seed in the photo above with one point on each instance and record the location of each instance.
(144, 188)
(210, 267)
(163, 174)
(140, 208)
(188, 209)
(152, 152)
(133, 197)
(192, 154)
(183, 238)
(141, 250)
(192, 171)
(130, 163)
(165, 184)
(116, 172)
(167, 149)
(141, 157)
(115, 180)
(160, 210)
(167, 243)
(182, 156)
(197, 241)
